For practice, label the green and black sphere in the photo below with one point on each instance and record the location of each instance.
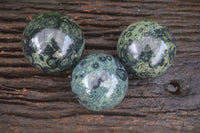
(53, 42)
(99, 82)
(146, 49)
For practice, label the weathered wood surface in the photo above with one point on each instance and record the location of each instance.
(31, 101)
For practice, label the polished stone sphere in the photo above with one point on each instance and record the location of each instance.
(99, 82)
(146, 49)
(53, 42)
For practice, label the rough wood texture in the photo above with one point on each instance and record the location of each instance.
(31, 101)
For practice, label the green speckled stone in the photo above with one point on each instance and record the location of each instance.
(146, 49)
(99, 82)
(53, 42)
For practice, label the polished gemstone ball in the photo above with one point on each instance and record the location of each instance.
(99, 82)
(53, 42)
(146, 49)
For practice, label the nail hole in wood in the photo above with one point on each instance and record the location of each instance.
(173, 87)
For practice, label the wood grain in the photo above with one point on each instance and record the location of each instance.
(31, 101)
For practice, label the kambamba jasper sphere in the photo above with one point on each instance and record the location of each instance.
(146, 49)
(53, 42)
(99, 82)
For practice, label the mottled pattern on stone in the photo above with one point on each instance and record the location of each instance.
(146, 49)
(99, 82)
(53, 42)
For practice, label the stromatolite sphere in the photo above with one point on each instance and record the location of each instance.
(53, 42)
(146, 49)
(99, 82)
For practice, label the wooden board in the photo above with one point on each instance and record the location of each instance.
(31, 101)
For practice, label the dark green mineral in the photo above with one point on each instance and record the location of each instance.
(53, 42)
(146, 49)
(99, 82)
